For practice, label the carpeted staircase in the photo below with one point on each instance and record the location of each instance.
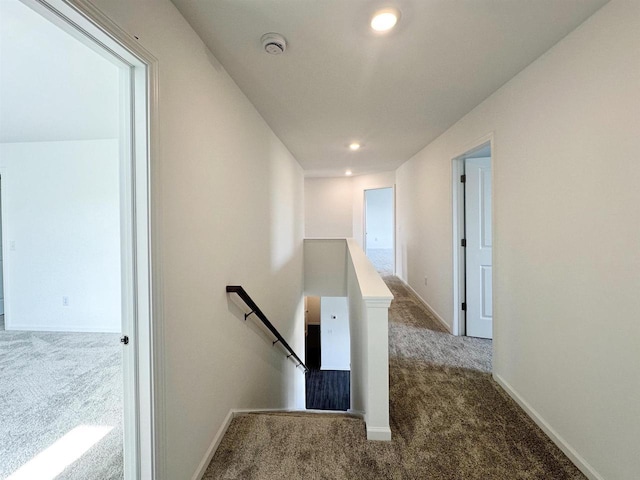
(449, 420)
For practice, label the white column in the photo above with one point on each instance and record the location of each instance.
(377, 370)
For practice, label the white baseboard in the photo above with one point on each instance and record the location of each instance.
(242, 411)
(356, 413)
(202, 467)
(58, 329)
(335, 367)
(382, 434)
(214, 446)
(346, 413)
(435, 314)
(574, 456)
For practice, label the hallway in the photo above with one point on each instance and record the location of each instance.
(449, 420)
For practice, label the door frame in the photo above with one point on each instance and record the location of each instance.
(458, 222)
(6, 307)
(364, 220)
(140, 187)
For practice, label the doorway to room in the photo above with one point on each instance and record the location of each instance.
(379, 221)
(474, 243)
(76, 338)
(62, 282)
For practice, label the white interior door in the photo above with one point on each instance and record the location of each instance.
(479, 317)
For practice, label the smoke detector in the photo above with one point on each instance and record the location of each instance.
(273, 43)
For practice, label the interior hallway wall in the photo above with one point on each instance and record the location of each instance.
(334, 207)
(328, 212)
(61, 218)
(229, 210)
(566, 235)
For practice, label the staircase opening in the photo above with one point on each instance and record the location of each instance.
(327, 353)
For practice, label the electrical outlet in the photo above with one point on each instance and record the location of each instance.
(65, 301)
(425, 281)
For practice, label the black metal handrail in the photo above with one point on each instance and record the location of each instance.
(241, 292)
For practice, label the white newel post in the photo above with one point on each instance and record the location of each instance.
(377, 371)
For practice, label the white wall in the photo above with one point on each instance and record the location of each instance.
(379, 223)
(328, 212)
(334, 207)
(78, 100)
(334, 334)
(325, 271)
(566, 236)
(229, 210)
(61, 219)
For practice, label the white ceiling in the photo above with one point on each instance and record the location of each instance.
(52, 87)
(338, 82)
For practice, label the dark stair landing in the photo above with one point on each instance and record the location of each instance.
(325, 389)
(328, 389)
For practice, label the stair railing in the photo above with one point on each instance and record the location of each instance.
(241, 292)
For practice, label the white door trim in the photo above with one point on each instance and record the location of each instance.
(457, 202)
(143, 357)
(5, 248)
(458, 324)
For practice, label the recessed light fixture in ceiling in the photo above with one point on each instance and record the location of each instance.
(348, 173)
(273, 43)
(385, 19)
(354, 146)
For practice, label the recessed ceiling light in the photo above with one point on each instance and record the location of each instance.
(385, 19)
(354, 146)
(348, 173)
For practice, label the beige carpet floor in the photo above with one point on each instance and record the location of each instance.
(449, 420)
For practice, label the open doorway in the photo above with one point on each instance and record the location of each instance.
(77, 336)
(61, 219)
(473, 257)
(379, 229)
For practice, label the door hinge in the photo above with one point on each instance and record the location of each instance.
(464, 306)
(463, 242)
(463, 178)
(124, 339)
